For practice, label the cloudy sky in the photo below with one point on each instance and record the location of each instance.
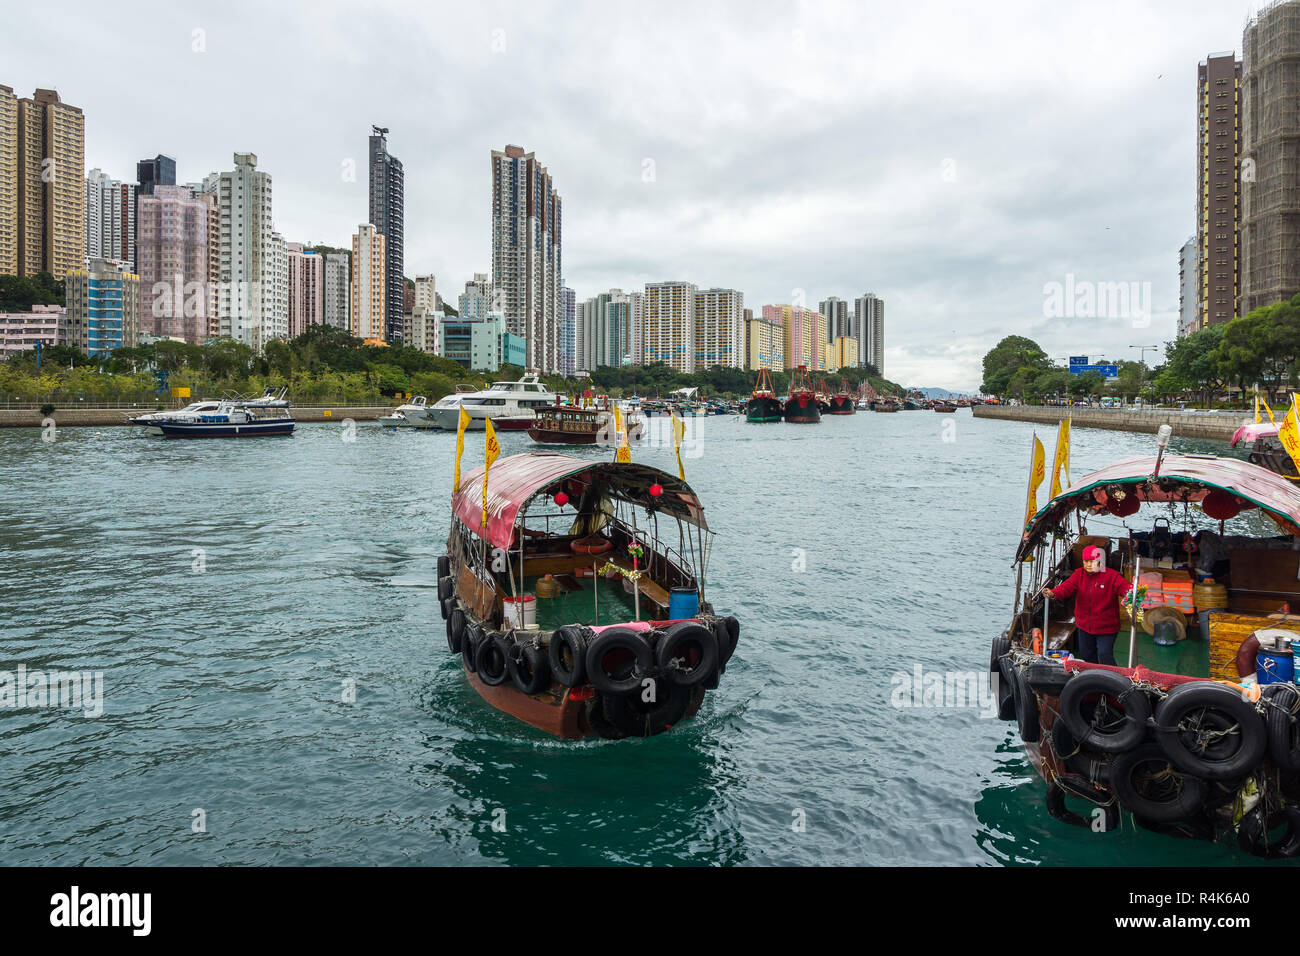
(954, 158)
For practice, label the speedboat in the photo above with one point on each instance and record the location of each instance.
(413, 413)
(513, 400)
(150, 422)
(231, 420)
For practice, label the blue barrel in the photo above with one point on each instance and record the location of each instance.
(684, 603)
(1275, 667)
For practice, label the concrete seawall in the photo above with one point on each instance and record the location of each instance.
(79, 417)
(1214, 425)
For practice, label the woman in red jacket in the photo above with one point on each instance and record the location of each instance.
(1095, 590)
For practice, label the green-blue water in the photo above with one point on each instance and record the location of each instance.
(223, 689)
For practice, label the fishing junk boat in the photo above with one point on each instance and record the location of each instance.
(569, 610)
(801, 405)
(1194, 731)
(841, 403)
(763, 405)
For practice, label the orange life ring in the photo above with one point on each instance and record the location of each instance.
(592, 545)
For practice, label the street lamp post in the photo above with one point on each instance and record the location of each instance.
(1142, 364)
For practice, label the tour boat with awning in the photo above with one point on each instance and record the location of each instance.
(1193, 728)
(579, 605)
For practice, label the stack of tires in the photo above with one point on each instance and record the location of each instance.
(1176, 760)
(645, 680)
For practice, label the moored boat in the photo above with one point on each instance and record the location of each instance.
(763, 405)
(567, 608)
(841, 403)
(574, 425)
(944, 407)
(511, 400)
(801, 405)
(884, 405)
(1193, 729)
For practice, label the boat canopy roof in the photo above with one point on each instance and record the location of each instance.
(1254, 431)
(516, 480)
(1231, 484)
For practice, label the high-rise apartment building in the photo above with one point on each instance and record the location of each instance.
(843, 353)
(422, 327)
(338, 291)
(51, 193)
(103, 307)
(838, 319)
(527, 273)
(803, 335)
(1188, 275)
(478, 299)
(159, 171)
(605, 330)
(719, 328)
(1218, 197)
(1270, 106)
(869, 316)
(369, 277)
(174, 261)
(110, 218)
(668, 324)
(425, 294)
(764, 343)
(8, 181)
(306, 288)
(387, 215)
(253, 299)
(568, 333)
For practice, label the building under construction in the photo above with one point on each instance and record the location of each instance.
(1270, 164)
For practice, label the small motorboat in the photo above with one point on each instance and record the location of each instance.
(569, 610)
(231, 420)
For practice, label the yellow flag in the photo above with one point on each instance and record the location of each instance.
(623, 453)
(1289, 432)
(491, 451)
(460, 445)
(1062, 460)
(679, 433)
(1037, 471)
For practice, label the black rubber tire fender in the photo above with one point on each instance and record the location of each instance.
(492, 659)
(630, 716)
(1047, 677)
(733, 638)
(1113, 736)
(473, 637)
(1148, 784)
(680, 643)
(1055, 800)
(444, 566)
(1006, 689)
(1280, 716)
(568, 655)
(530, 668)
(610, 641)
(444, 588)
(1001, 645)
(1027, 715)
(1093, 767)
(1210, 731)
(446, 606)
(1252, 832)
(455, 629)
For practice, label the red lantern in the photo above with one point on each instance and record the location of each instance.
(561, 499)
(656, 491)
(1220, 505)
(1123, 507)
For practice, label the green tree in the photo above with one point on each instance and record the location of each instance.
(1005, 360)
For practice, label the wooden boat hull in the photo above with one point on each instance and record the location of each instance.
(883, 407)
(550, 436)
(945, 409)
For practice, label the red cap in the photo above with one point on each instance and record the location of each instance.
(1092, 553)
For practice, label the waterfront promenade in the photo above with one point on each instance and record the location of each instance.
(70, 417)
(1218, 425)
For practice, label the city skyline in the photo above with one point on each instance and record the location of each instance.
(959, 216)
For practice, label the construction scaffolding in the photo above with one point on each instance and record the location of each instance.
(1270, 165)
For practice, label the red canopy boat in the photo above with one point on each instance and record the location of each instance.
(569, 610)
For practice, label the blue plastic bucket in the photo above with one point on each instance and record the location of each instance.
(1275, 667)
(684, 603)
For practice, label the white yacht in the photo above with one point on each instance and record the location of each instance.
(190, 412)
(411, 414)
(517, 401)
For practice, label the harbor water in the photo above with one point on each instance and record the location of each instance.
(277, 689)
